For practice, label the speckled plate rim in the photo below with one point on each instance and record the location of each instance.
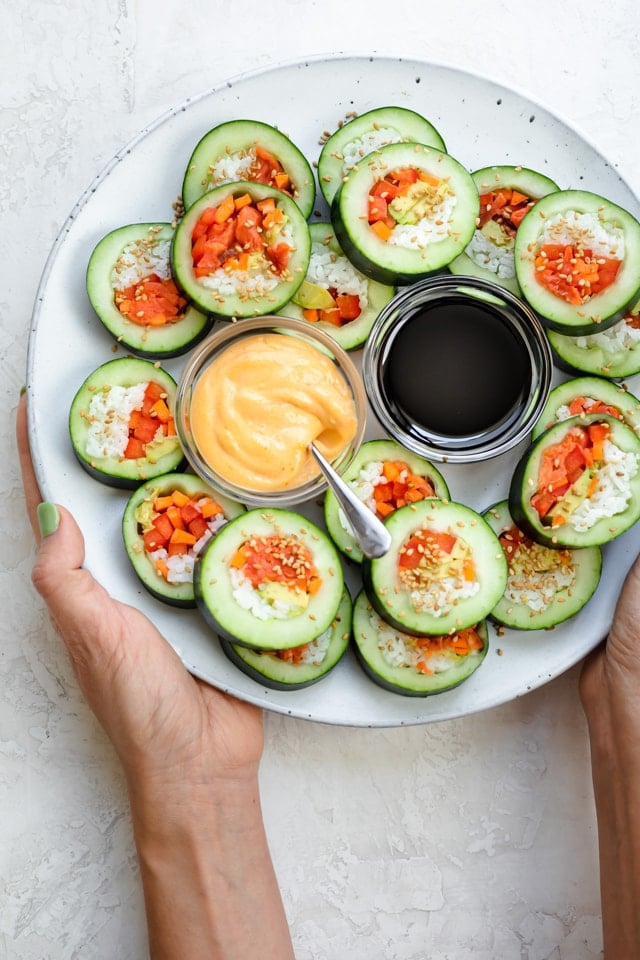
(62, 352)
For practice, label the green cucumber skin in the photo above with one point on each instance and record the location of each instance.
(529, 182)
(571, 358)
(154, 343)
(394, 265)
(594, 388)
(588, 561)
(411, 125)
(177, 595)
(236, 135)
(233, 305)
(404, 681)
(375, 450)
(214, 592)
(604, 309)
(123, 474)
(525, 516)
(278, 675)
(469, 525)
(354, 333)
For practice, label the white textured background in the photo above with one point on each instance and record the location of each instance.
(472, 838)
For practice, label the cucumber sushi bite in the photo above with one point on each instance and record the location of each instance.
(241, 250)
(445, 570)
(404, 212)
(386, 476)
(585, 395)
(130, 286)
(415, 666)
(577, 258)
(369, 131)
(545, 586)
(507, 193)
(249, 150)
(121, 423)
(166, 523)
(270, 580)
(578, 485)
(334, 294)
(613, 353)
(301, 666)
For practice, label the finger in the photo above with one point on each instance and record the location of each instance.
(623, 642)
(29, 481)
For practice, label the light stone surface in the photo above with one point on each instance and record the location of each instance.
(471, 838)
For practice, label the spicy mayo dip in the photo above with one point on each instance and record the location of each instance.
(258, 405)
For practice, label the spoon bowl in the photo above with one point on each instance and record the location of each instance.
(371, 534)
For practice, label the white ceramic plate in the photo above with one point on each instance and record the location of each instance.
(482, 124)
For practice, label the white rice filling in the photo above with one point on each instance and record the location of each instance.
(249, 598)
(328, 269)
(618, 338)
(231, 167)
(585, 231)
(442, 595)
(181, 567)
(139, 259)
(613, 491)
(431, 229)
(402, 650)
(372, 140)
(537, 589)
(108, 418)
(490, 256)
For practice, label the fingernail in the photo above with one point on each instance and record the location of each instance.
(23, 390)
(48, 518)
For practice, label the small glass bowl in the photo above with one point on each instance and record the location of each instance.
(431, 343)
(209, 350)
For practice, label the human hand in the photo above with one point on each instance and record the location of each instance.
(612, 670)
(190, 754)
(167, 727)
(609, 688)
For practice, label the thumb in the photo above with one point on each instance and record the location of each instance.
(77, 603)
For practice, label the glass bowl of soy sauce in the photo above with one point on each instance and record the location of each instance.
(457, 369)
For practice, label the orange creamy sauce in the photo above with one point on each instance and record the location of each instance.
(258, 405)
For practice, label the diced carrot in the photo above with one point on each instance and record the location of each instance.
(243, 201)
(161, 503)
(225, 210)
(281, 181)
(383, 509)
(391, 469)
(182, 536)
(161, 410)
(209, 508)
(311, 315)
(179, 498)
(381, 229)
(177, 549)
(162, 569)
(175, 515)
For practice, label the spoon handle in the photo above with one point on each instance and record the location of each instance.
(373, 537)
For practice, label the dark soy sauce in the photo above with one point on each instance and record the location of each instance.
(456, 370)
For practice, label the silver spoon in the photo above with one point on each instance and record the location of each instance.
(373, 537)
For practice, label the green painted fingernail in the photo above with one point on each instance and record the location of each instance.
(48, 518)
(23, 390)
